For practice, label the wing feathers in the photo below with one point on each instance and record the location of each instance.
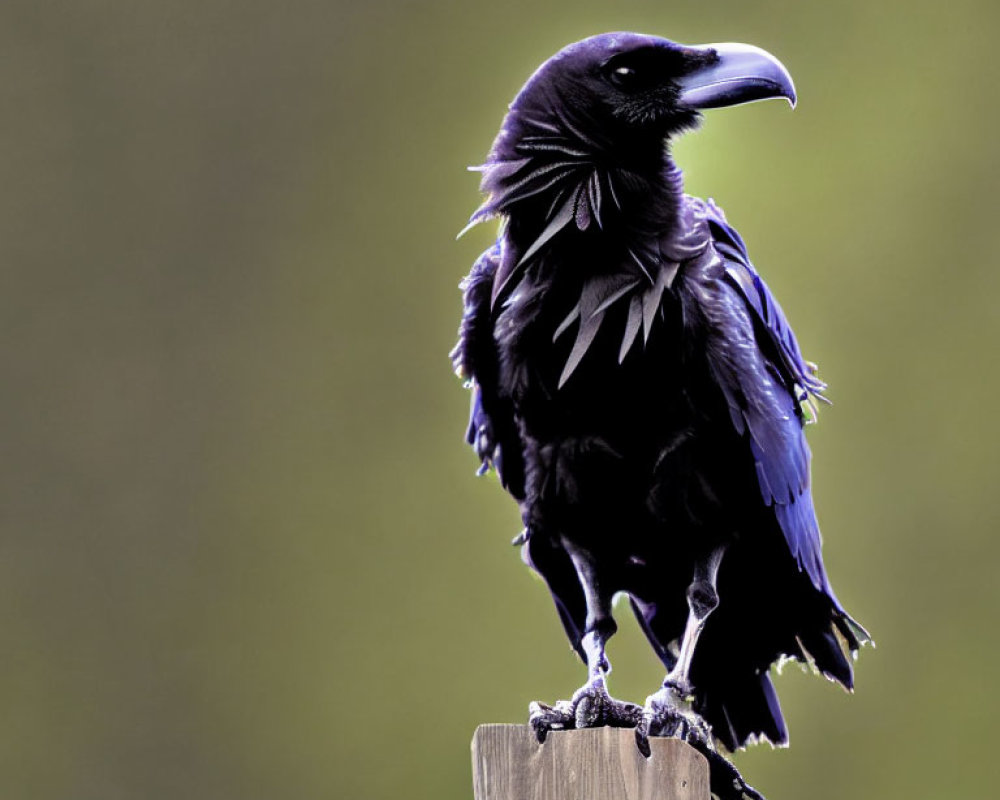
(757, 363)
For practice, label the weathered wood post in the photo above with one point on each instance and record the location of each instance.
(508, 763)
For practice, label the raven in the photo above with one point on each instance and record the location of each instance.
(640, 393)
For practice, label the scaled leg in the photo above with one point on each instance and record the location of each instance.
(668, 712)
(591, 706)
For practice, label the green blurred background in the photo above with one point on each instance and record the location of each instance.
(244, 554)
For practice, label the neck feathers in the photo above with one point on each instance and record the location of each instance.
(551, 170)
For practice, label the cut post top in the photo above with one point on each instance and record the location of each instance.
(508, 763)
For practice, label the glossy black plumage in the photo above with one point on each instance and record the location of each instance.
(637, 386)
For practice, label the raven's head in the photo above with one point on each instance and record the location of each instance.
(628, 85)
(584, 139)
(613, 99)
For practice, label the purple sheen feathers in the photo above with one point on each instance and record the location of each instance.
(589, 325)
(777, 441)
(632, 326)
(741, 273)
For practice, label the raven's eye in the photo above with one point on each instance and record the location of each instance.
(639, 71)
(624, 77)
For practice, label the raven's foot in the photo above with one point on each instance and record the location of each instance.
(669, 713)
(591, 707)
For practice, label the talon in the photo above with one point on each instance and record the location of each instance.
(540, 733)
(642, 740)
(538, 714)
(544, 718)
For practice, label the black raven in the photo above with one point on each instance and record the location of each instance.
(641, 394)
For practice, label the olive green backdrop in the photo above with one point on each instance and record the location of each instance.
(243, 551)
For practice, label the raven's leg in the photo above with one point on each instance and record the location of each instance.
(703, 599)
(669, 712)
(591, 705)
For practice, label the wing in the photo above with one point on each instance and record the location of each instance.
(491, 432)
(798, 374)
(757, 362)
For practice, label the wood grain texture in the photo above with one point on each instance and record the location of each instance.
(508, 763)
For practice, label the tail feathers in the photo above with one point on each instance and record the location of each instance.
(748, 710)
(741, 703)
(853, 632)
(828, 657)
(828, 653)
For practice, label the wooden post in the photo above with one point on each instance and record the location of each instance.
(508, 763)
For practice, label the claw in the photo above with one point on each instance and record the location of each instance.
(536, 712)
(642, 739)
(544, 718)
(534, 718)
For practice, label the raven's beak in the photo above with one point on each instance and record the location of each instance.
(741, 73)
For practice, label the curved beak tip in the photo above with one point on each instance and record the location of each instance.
(739, 73)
